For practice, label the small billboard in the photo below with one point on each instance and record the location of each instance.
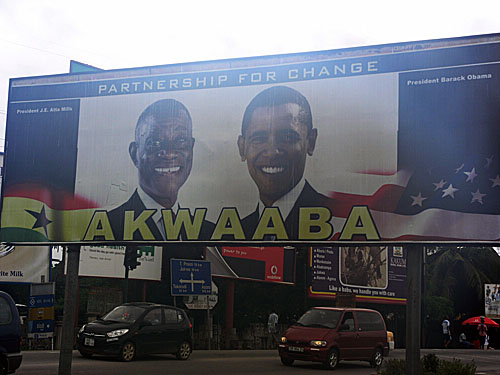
(271, 264)
(387, 143)
(107, 261)
(372, 273)
(24, 264)
(492, 301)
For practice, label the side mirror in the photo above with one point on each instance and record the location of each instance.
(344, 327)
(145, 323)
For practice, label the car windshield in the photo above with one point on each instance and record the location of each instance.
(124, 314)
(320, 318)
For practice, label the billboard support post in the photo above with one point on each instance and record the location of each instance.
(70, 305)
(229, 310)
(209, 324)
(125, 286)
(413, 308)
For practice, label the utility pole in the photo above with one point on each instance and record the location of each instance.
(413, 308)
(70, 306)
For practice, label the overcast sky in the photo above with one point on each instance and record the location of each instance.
(40, 37)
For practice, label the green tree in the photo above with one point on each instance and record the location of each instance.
(457, 275)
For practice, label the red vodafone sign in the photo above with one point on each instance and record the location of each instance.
(272, 258)
(271, 264)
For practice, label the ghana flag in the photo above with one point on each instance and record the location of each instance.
(39, 203)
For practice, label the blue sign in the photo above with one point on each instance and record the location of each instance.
(41, 326)
(41, 301)
(190, 277)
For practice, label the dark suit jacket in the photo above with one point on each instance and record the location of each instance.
(135, 204)
(307, 198)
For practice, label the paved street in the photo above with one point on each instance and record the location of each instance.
(222, 362)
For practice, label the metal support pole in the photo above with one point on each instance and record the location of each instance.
(229, 311)
(209, 324)
(125, 286)
(70, 306)
(413, 308)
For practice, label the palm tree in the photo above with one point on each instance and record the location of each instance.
(458, 275)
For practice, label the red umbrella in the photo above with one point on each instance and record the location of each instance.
(477, 320)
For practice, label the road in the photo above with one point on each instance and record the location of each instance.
(230, 362)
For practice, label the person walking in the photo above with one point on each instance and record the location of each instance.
(483, 332)
(446, 332)
(272, 329)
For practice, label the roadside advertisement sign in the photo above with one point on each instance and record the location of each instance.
(107, 261)
(271, 264)
(24, 264)
(492, 301)
(41, 310)
(386, 143)
(373, 273)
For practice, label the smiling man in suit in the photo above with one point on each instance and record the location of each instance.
(277, 136)
(162, 152)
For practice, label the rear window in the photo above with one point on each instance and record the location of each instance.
(370, 321)
(5, 312)
(320, 318)
(173, 316)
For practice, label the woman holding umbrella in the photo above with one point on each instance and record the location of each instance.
(482, 324)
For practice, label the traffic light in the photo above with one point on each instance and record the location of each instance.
(131, 256)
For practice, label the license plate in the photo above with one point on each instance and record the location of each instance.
(295, 349)
(88, 341)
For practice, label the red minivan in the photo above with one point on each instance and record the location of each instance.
(329, 334)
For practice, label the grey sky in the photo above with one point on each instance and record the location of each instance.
(39, 37)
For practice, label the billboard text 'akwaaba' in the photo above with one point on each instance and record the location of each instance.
(389, 143)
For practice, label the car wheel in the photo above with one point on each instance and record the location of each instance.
(377, 358)
(127, 352)
(184, 351)
(85, 355)
(332, 359)
(286, 361)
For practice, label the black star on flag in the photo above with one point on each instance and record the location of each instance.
(41, 219)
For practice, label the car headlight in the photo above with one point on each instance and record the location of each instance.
(82, 329)
(319, 343)
(283, 339)
(117, 332)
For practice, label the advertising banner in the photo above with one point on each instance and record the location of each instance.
(388, 143)
(373, 273)
(24, 264)
(107, 261)
(271, 264)
(492, 301)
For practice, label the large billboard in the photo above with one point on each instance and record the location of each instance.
(374, 274)
(389, 143)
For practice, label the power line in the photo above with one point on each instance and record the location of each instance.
(54, 53)
(38, 49)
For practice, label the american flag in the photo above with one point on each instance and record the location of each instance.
(457, 201)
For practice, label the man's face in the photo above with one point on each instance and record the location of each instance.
(163, 155)
(275, 146)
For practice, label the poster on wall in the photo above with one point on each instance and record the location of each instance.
(386, 143)
(372, 273)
